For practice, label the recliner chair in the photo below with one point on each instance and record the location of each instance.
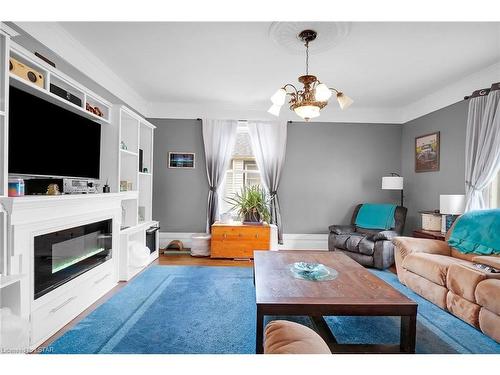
(369, 247)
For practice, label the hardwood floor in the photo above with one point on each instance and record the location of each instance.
(188, 260)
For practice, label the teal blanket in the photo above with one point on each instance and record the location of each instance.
(376, 216)
(477, 232)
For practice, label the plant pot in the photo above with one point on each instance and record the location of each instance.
(252, 217)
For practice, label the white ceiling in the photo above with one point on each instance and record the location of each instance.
(382, 66)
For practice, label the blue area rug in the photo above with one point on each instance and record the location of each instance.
(180, 309)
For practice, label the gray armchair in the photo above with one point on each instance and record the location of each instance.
(369, 247)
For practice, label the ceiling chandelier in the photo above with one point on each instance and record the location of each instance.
(308, 102)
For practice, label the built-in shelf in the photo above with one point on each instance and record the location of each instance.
(5, 281)
(145, 174)
(53, 76)
(127, 152)
(41, 93)
(131, 194)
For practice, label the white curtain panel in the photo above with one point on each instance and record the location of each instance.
(269, 146)
(219, 137)
(482, 152)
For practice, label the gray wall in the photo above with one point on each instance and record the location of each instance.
(422, 189)
(179, 195)
(331, 167)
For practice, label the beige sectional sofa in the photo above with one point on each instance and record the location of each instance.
(449, 279)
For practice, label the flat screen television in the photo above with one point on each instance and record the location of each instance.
(47, 140)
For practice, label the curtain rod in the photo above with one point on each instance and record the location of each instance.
(483, 92)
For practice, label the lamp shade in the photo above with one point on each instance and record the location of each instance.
(392, 183)
(451, 204)
(307, 112)
(274, 110)
(279, 97)
(322, 93)
(344, 100)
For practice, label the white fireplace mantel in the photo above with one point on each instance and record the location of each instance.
(30, 216)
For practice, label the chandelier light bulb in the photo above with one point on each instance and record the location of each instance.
(344, 100)
(322, 93)
(274, 110)
(307, 112)
(279, 97)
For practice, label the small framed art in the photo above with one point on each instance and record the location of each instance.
(181, 160)
(427, 153)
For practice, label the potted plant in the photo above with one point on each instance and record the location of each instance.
(252, 204)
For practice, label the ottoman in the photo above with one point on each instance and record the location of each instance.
(284, 337)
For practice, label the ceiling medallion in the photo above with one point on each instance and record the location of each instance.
(308, 102)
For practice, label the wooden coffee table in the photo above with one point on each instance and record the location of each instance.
(355, 292)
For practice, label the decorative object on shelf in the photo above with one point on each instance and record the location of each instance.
(123, 185)
(312, 271)
(25, 72)
(53, 189)
(144, 170)
(450, 207)
(123, 146)
(308, 102)
(252, 204)
(65, 95)
(130, 186)
(431, 220)
(142, 213)
(41, 57)
(106, 188)
(393, 182)
(181, 160)
(427, 153)
(94, 109)
(16, 187)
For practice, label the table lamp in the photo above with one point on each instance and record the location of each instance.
(450, 206)
(393, 182)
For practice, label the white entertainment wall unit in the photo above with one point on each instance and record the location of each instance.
(24, 219)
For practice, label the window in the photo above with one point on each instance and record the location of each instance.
(243, 170)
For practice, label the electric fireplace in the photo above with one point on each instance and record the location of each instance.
(63, 255)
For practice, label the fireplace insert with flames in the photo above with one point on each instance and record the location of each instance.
(63, 255)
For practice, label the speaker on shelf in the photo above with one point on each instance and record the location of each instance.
(141, 155)
(65, 95)
(25, 72)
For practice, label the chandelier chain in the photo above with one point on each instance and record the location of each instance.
(307, 58)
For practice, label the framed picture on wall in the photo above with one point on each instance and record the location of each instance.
(427, 153)
(181, 160)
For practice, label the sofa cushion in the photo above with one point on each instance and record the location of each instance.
(427, 289)
(430, 266)
(462, 280)
(488, 295)
(284, 337)
(354, 242)
(339, 240)
(465, 310)
(364, 260)
(490, 324)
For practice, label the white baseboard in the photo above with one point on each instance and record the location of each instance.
(290, 241)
